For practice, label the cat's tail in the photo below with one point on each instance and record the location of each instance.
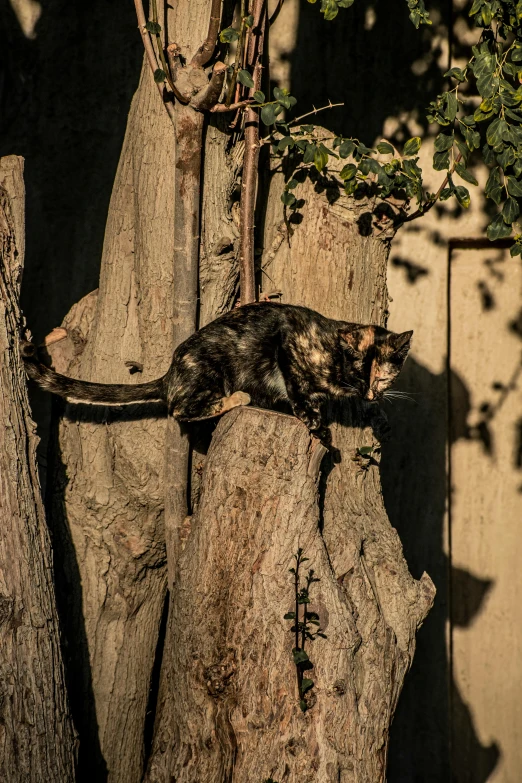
(86, 392)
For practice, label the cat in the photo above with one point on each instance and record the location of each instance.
(268, 354)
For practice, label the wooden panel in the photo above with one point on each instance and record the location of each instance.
(486, 515)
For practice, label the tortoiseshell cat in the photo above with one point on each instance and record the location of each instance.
(261, 353)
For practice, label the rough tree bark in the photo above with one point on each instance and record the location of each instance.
(107, 490)
(228, 705)
(37, 739)
(235, 703)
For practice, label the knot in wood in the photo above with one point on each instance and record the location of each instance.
(218, 675)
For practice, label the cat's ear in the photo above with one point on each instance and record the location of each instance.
(350, 336)
(401, 344)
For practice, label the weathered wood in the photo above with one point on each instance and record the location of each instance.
(36, 735)
(234, 701)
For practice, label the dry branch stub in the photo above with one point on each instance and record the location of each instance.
(231, 692)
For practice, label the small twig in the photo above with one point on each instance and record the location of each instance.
(151, 57)
(221, 107)
(315, 111)
(276, 13)
(427, 208)
(206, 50)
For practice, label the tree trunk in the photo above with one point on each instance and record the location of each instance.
(107, 490)
(36, 735)
(229, 704)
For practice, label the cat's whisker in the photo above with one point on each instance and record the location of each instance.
(399, 395)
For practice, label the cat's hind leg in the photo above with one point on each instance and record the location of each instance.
(207, 406)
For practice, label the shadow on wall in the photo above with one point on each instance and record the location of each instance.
(64, 99)
(430, 714)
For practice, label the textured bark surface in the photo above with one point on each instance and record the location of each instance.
(234, 702)
(36, 735)
(228, 700)
(107, 490)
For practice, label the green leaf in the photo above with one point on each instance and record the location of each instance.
(495, 131)
(320, 157)
(348, 171)
(307, 128)
(451, 106)
(309, 153)
(497, 229)
(412, 146)
(444, 141)
(514, 187)
(507, 157)
(463, 196)
(302, 703)
(249, 20)
(286, 141)
(465, 174)
(441, 161)
(300, 656)
(289, 616)
(159, 75)
(515, 250)
(228, 35)
(306, 684)
(292, 184)
(475, 8)
(510, 210)
(456, 73)
(268, 115)
(153, 27)
(493, 189)
(487, 84)
(245, 78)
(365, 450)
(330, 9)
(346, 148)
(384, 148)
(259, 96)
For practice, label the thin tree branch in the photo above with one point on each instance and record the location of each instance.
(151, 57)
(221, 107)
(206, 50)
(250, 161)
(427, 208)
(330, 105)
(276, 13)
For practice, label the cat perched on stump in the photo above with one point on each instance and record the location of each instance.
(268, 354)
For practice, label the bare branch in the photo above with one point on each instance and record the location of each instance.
(221, 107)
(329, 105)
(207, 98)
(206, 50)
(151, 57)
(250, 162)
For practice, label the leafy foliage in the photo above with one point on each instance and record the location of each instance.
(305, 629)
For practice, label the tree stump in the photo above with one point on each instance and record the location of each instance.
(229, 696)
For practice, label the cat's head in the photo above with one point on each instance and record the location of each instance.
(374, 358)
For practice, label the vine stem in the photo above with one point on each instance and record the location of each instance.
(206, 50)
(151, 57)
(330, 105)
(420, 212)
(251, 160)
